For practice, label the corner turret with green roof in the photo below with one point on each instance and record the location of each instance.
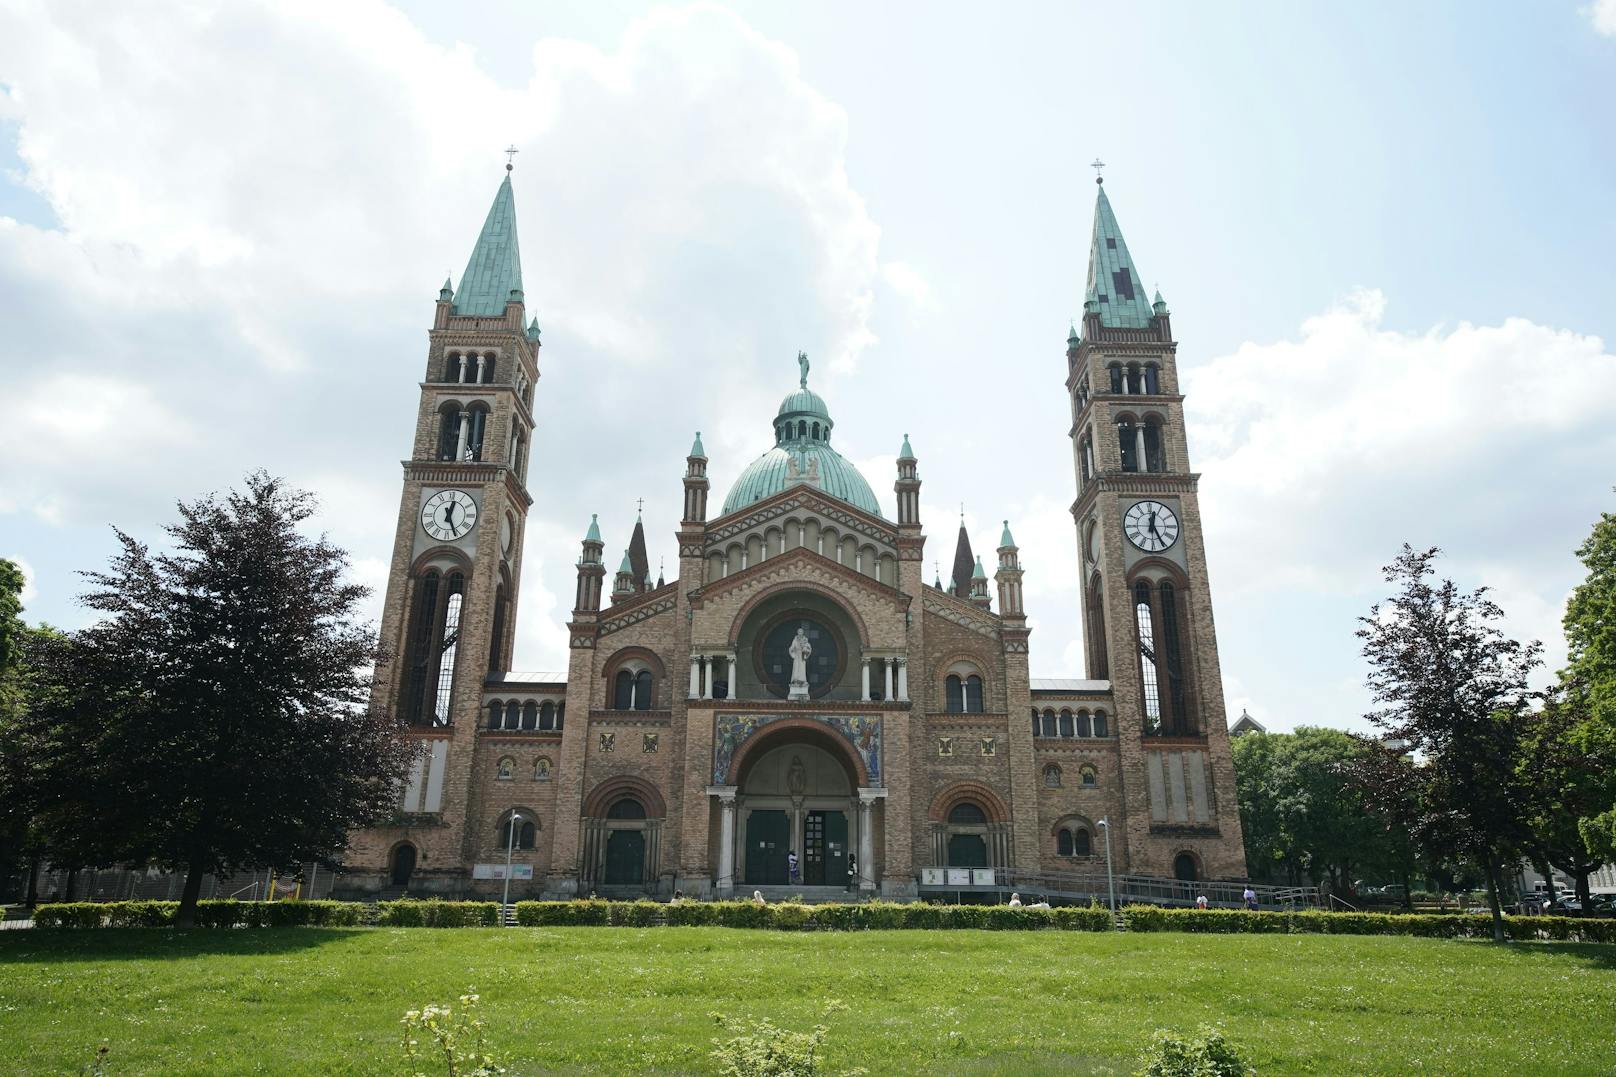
(593, 534)
(695, 448)
(493, 275)
(1114, 290)
(1005, 539)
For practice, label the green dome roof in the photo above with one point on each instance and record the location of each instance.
(802, 429)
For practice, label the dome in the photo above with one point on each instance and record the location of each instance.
(802, 453)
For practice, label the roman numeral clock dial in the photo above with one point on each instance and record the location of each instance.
(449, 514)
(1151, 526)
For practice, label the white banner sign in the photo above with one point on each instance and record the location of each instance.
(497, 871)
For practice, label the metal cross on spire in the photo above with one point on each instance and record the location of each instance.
(1099, 169)
(510, 156)
(639, 505)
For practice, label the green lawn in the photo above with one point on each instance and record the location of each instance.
(615, 1000)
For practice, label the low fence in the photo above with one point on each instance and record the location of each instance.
(1083, 887)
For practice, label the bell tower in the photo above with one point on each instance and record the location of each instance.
(449, 615)
(1147, 608)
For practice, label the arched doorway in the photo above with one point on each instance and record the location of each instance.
(798, 792)
(403, 864)
(625, 843)
(1185, 869)
(622, 851)
(968, 836)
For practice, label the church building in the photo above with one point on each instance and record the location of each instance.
(799, 687)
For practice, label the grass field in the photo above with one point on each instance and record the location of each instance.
(618, 1000)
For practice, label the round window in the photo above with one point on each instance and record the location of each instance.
(775, 661)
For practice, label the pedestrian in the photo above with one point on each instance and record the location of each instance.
(1250, 898)
(1200, 902)
(1015, 901)
(852, 872)
(793, 872)
(757, 897)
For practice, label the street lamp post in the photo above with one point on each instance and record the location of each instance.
(509, 846)
(1110, 879)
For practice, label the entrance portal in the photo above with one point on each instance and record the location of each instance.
(767, 834)
(625, 858)
(403, 864)
(967, 851)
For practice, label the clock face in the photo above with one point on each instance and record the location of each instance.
(449, 514)
(1151, 526)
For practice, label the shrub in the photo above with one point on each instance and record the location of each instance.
(690, 914)
(764, 1050)
(740, 914)
(789, 916)
(633, 913)
(1074, 918)
(1206, 1054)
(437, 913)
(458, 1043)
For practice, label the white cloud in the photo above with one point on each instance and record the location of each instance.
(260, 298)
(29, 590)
(912, 285)
(1602, 13)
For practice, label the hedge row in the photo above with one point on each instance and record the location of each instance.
(226, 913)
(1430, 926)
(875, 915)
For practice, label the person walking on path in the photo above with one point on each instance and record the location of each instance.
(852, 872)
(1250, 898)
(1200, 902)
(793, 872)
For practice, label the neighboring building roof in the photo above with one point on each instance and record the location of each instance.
(1246, 724)
(800, 457)
(495, 268)
(525, 678)
(1067, 684)
(1114, 289)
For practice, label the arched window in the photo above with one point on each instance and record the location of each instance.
(954, 693)
(546, 715)
(448, 431)
(642, 690)
(496, 714)
(1114, 372)
(623, 690)
(516, 830)
(1128, 445)
(973, 694)
(1067, 729)
(1173, 652)
(1063, 843)
(1052, 776)
(1049, 723)
(1152, 378)
(1099, 662)
(403, 865)
(815, 431)
(530, 716)
(451, 367)
(1037, 728)
(488, 369)
(802, 428)
(1082, 842)
(561, 715)
(496, 639)
(968, 814)
(1134, 384)
(626, 808)
(1100, 724)
(1147, 656)
(477, 423)
(1085, 727)
(1155, 457)
(1185, 869)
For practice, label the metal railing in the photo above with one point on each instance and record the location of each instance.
(1143, 889)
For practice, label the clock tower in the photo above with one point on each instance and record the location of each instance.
(448, 619)
(1147, 608)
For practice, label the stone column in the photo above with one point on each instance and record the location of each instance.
(695, 676)
(864, 661)
(1139, 447)
(708, 665)
(462, 375)
(903, 679)
(480, 361)
(866, 854)
(886, 663)
(734, 675)
(464, 433)
(726, 837)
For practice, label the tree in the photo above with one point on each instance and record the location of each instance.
(1256, 793)
(1452, 689)
(219, 717)
(1568, 768)
(1590, 675)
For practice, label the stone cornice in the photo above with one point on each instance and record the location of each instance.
(806, 565)
(960, 612)
(643, 607)
(1143, 483)
(792, 499)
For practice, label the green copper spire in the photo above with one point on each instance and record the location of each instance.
(1114, 287)
(494, 274)
(906, 453)
(979, 574)
(1006, 539)
(446, 293)
(593, 534)
(1072, 337)
(1159, 305)
(533, 329)
(696, 449)
(625, 568)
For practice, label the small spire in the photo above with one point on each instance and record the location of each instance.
(979, 574)
(1159, 305)
(625, 568)
(1006, 539)
(696, 449)
(660, 569)
(906, 453)
(593, 534)
(1071, 336)
(446, 293)
(937, 572)
(533, 328)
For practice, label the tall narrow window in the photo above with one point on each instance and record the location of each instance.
(1036, 729)
(1115, 373)
(954, 694)
(496, 714)
(561, 714)
(496, 640)
(477, 419)
(1063, 843)
(424, 615)
(1049, 723)
(1173, 649)
(1152, 379)
(488, 370)
(642, 690)
(1147, 657)
(1099, 661)
(447, 650)
(973, 694)
(530, 716)
(1067, 729)
(1136, 383)
(1126, 445)
(1085, 727)
(623, 691)
(1099, 724)
(546, 716)
(1155, 458)
(449, 432)
(1082, 843)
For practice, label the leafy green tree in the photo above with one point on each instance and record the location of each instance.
(1568, 768)
(218, 719)
(1590, 675)
(1452, 689)
(1256, 791)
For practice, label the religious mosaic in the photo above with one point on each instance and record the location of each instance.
(862, 731)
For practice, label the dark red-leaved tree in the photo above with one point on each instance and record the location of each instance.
(1452, 690)
(222, 719)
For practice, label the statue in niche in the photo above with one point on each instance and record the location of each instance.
(799, 651)
(797, 777)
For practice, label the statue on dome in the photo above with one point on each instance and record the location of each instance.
(802, 364)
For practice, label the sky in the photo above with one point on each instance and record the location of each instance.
(1384, 231)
